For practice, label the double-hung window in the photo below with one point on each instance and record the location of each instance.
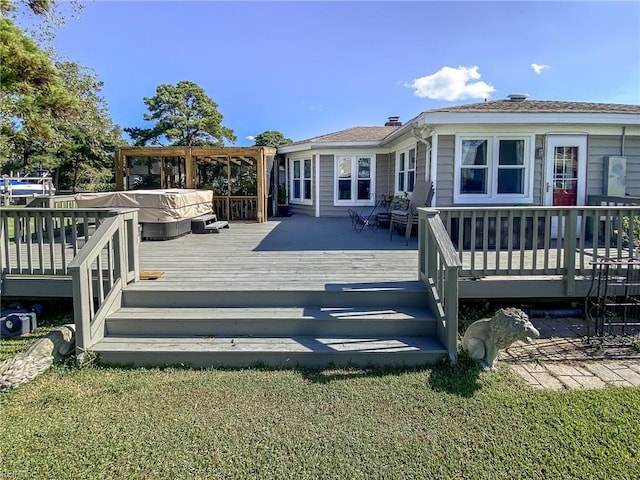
(354, 179)
(494, 169)
(406, 171)
(300, 181)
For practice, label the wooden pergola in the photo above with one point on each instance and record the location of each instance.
(241, 178)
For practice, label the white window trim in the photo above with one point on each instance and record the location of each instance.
(405, 149)
(354, 168)
(492, 197)
(292, 199)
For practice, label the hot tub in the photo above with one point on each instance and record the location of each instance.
(163, 214)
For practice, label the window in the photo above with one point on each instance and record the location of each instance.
(406, 171)
(511, 167)
(301, 181)
(354, 180)
(494, 169)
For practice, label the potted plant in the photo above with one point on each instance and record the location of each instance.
(283, 204)
(388, 204)
(397, 202)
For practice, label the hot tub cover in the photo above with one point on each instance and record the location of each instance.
(156, 206)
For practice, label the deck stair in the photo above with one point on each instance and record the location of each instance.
(275, 328)
(208, 223)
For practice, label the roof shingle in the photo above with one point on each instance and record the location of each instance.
(377, 134)
(354, 134)
(538, 106)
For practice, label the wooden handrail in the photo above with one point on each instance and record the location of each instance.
(98, 277)
(438, 267)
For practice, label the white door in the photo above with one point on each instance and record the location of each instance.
(566, 172)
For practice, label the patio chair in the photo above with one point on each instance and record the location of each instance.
(365, 218)
(421, 197)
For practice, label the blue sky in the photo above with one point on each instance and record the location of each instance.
(310, 68)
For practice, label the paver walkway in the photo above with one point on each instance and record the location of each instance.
(562, 358)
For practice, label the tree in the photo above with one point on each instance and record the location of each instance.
(40, 19)
(83, 151)
(89, 141)
(184, 116)
(271, 138)
(51, 114)
(82, 146)
(32, 92)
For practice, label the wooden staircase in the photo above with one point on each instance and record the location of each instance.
(276, 328)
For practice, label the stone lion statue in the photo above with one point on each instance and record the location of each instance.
(485, 337)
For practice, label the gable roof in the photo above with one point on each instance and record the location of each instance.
(354, 134)
(541, 111)
(537, 106)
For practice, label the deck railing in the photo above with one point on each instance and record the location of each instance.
(236, 207)
(517, 241)
(99, 272)
(53, 201)
(97, 248)
(438, 267)
(43, 241)
(540, 240)
(606, 200)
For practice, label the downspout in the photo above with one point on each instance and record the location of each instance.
(431, 168)
(417, 134)
(624, 134)
(316, 159)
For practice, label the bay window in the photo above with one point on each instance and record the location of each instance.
(494, 169)
(354, 179)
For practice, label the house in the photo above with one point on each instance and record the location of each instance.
(514, 151)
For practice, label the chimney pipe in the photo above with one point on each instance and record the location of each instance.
(393, 122)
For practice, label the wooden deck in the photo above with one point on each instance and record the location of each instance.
(288, 253)
(303, 253)
(327, 283)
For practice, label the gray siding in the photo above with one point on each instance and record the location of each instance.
(601, 146)
(303, 209)
(538, 173)
(444, 178)
(384, 175)
(327, 188)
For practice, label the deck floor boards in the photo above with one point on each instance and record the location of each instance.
(291, 253)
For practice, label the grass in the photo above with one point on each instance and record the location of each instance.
(441, 422)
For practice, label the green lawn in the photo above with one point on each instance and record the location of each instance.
(441, 422)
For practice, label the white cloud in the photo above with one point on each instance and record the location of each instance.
(250, 137)
(538, 68)
(451, 84)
